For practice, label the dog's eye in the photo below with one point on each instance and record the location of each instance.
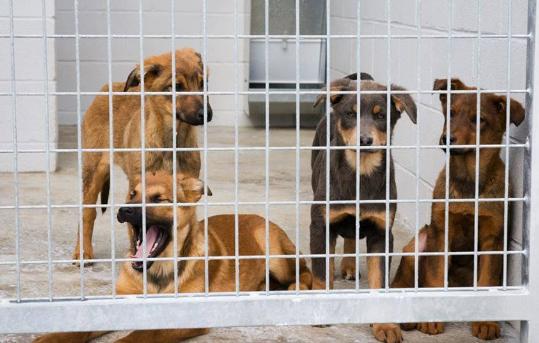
(179, 87)
(132, 193)
(155, 199)
(481, 120)
(380, 115)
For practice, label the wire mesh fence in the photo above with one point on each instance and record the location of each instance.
(462, 220)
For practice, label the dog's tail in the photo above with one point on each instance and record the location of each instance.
(105, 194)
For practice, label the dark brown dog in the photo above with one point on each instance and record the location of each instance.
(190, 243)
(373, 133)
(158, 113)
(462, 179)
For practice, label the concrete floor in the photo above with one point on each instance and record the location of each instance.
(97, 279)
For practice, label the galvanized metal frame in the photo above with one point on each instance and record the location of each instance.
(303, 307)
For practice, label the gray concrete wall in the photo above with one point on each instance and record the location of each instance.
(30, 77)
(416, 67)
(125, 51)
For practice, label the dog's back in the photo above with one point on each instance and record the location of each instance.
(96, 119)
(252, 242)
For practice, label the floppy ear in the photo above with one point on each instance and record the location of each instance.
(200, 62)
(516, 111)
(133, 79)
(404, 102)
(192, 189)
(335, 86)
(362, 76)
(136, 180)
(441, 85)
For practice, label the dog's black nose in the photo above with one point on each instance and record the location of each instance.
(444, 140)
(124, 213)
(200, 115)
(365, 141)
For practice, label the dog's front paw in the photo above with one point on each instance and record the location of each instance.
(431, 328)
(387, 333)
(348, 268)
(486, 330)
(88, 255)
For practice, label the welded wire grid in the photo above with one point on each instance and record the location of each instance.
(297, 149)
(267, 148)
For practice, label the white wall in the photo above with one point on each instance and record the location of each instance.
(125, 51)
(30, 78)
(416, 69)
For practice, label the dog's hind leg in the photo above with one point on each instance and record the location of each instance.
(405, 276)
(68, 337)
(95, 177)
(305, 277)
(162, 336)
(283, 270)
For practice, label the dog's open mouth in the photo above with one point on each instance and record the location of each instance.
(459, 151)
(366, 151)
(157, 238)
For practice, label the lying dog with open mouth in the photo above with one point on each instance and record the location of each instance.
(463, 127)
(126, 125)
(190, 243)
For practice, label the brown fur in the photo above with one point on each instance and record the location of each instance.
(190, 242)
(126, 129)
(461, 215)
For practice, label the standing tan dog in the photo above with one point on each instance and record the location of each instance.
(158, 114)
(190, 243)
(492, 121)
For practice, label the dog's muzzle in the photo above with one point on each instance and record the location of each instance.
(127, 214)
(149, 241)
(197, 118)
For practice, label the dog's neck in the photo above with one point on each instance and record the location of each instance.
(163, 120)
(368, 162)
(462, 171)
(189, 239)
(186, 137)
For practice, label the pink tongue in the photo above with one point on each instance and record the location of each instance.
(151, 238)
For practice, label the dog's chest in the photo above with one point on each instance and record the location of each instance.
(370, 188)
(461, 232)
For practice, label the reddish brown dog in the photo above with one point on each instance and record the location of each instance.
(462, 181)
(191, 243)
(126, 125)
